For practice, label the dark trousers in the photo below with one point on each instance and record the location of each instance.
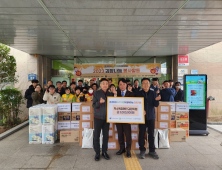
(126, 128)
(150, 124)
(98, 125)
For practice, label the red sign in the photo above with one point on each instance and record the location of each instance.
(183, 60)
(183, 49)
(73, 80)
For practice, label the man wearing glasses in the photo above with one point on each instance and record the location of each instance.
(151, 100)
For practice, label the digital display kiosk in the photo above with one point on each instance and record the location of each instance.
(196, 95)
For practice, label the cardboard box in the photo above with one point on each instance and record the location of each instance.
(187, 133)
(164, 116)
(178, 135)
(64, 107)
(111, 133)
(184, 124)
(81, 132)
(135, 136)
(85, 117)
(182, 107)
(173, 115)
(86, 107)
(74, 125)
(111, 126)
(114, 127)
(173, 124)
(113, 145)
(75, 116)
(76, 106)
(84, 124)
(116, 136)
(64, 116)
(64, 125)
(58, 135)
(164, 108)
(156, 124)
(67, 136)
(135, 145)
(182, 115)
(135, 128)
(163, 125)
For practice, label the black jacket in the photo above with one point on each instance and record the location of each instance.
(135, 90)
(28, 95)
(179, 96)
(61, 91)
(100, 110)
(149, 103)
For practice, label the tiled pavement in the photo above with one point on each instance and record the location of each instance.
(199, 152)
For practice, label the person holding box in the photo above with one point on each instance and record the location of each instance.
(68, 97)
(100, 114)
(151, 100)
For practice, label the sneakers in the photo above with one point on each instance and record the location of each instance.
(154, 155)
(142, 154)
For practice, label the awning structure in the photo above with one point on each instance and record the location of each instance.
(110, 28)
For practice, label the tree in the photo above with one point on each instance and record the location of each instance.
(7, 67)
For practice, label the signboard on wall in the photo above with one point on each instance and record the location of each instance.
(182, 72)
(183, 60)
(114, 71)
(32, 76)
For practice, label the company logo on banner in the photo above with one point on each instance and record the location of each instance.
(112, 71)
(183, 60)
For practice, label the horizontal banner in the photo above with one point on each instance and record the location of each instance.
(113, 71)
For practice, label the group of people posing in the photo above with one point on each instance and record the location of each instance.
(152, 94)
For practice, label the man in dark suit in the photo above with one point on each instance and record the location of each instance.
(124, 127)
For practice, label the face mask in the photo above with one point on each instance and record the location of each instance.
(90, 91)
(178, 87)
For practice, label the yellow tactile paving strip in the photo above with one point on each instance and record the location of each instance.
(132, 163)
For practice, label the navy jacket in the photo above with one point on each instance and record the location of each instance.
(28, 95)
(149, 103)
(154, 88)
(167, 95)
(179, 96)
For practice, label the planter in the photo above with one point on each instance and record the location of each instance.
(2, 129)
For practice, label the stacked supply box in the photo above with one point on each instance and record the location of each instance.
(50, 124)
(164, 116)
(64, 120)
(75, 115)
(178, 135)
(182, 116)
(35, 125)
(86, 119)
(43, 120)
(173, 114)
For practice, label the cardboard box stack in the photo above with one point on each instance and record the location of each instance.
(86, 119)
(113, 143)
(164, 117)
(43, 124)
(182, 116)
(64, 112)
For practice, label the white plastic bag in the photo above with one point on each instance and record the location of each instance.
(164, 140)
(156, 138)
(101, 139)
(87, 141)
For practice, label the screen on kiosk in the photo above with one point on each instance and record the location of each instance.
(195, 92)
